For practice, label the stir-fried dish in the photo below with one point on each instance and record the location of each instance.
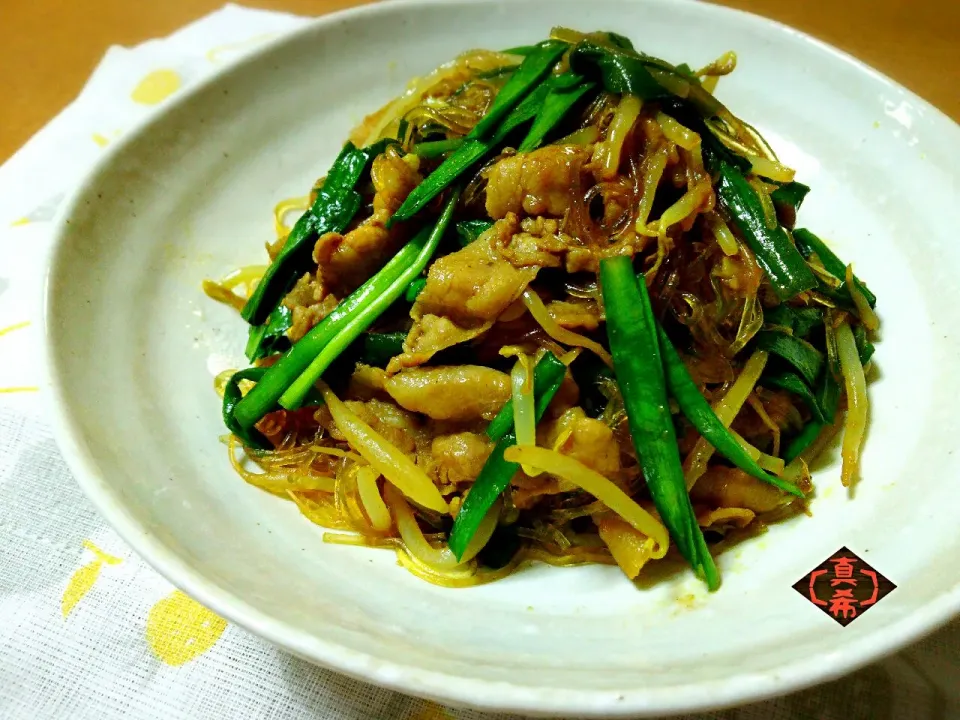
(549, 304)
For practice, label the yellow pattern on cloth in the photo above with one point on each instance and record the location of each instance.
(180, 629)
(431, 712)
(102, 140)
(82, 581)
(10, 329)
(16, 326)
(213, 55)
(156, 87)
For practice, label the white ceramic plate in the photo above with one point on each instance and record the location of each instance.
(134, 345)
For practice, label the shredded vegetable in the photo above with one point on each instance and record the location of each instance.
(540, 313)
(441, 558)
(623, 119)
(725, 239)
(524, 410)
(373, 503)
(594, 483)
(867, 315)
(384, 457)
(677, 133)
(770, 169)
(726, 410)
(524, 421)
(856, 386)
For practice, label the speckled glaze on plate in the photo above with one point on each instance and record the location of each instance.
(133, 346)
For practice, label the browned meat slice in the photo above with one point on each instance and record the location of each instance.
(429, 335)
(465, 292)
(574, 434)
(725, 518)
(584, 439)
(366, 382)
(776, 403)
(278, 425)
(541, 242)
(536, 183)
(629, 547)
(475, 283)
(582, 259)
(460, 457)
(398, 426)
(583, 314)
(567, 396)
(310, 304)
(346, 261)
(460, 392)
(528, 490)
(724, 487)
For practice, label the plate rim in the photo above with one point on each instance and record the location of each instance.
(446, 688)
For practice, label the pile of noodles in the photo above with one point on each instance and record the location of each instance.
(707, 281)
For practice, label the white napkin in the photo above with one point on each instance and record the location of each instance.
(89, 630)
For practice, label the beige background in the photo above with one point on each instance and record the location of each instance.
(49, 47)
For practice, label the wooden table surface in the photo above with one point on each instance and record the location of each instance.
(49, 47)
